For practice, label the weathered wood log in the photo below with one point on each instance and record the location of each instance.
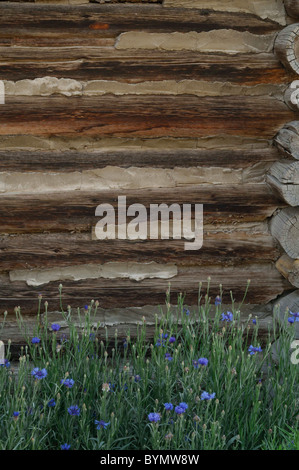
(107, 63)
(284, 178)
(288, 192)
(225, 247)
(68, 211)
(285, 228)
(287, 47)
(266, 284)
(85, 24)
(287, 140)
(292, 7)
(146, 116)
(289, 268)
(70, 160)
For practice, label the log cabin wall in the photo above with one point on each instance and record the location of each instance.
(163, 102)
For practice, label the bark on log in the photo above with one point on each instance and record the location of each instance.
(287, 47)
(287, 140)
(285, 228)
(154, 116)
(289, 268)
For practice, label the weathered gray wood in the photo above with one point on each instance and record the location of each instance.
(292, 7)
(287, 48)
(288, 192)
(289, 268)
(286, 171)
(285, 228)
(287, 140)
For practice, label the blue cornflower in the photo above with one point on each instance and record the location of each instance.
(228, 316)
(5, 364)
(154, 417)
(39, 373)
(65, 447)
(252, 350)
(172, 339)
(74, 410)
(179, 410)
(137, 378)
(92, 336)
(183, 405)
(202, 361)
(295, 316)
(168, 357)
(85, 307)
(168, 406)
(35, 340)
(101, 424)
(52, 403)
(55, 327)
(254, 321)
(187, 312)
(218, 300)
(125, 344)
(15, 414)
(291, 320)
(207, 396)
(67, 382)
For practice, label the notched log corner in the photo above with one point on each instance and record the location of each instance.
(287, 140)
(283, 177)
(289, 268)
(285, 229)
(286, 47)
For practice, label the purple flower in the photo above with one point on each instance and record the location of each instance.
(16, 414)
(218, 300)
(168, 357)
(168, 406)
(254, 321)
(85, 307)
(5, 364)
(101, 424)
(137, 378)
(39, 373)
(52, 403)
(74, 410)
(55, 327)
(252, 350)
(295, 317)
(183, 405)
(228, 316)
(187, 311)
(207, 396)
(154, 417)
(67, 382)
(172, 339)
(291, 320)
(35, 340)
(65, 447)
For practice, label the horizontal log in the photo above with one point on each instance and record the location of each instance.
(46, 25)
(292, 7)
(287, 47)
(146, 116)
(67, 211)
(107, 63)
(287, 140)
(71, 160)
(285, 228)
(289, 268)
(266, 284)
(225, 247)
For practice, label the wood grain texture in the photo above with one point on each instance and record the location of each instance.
(221, 248)
(78, 160)
(146, 116)
(287, 47)
(285, 228)
(68, 211)
(289, 268)
(292, 7)
(266, 284)
(107, 63)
